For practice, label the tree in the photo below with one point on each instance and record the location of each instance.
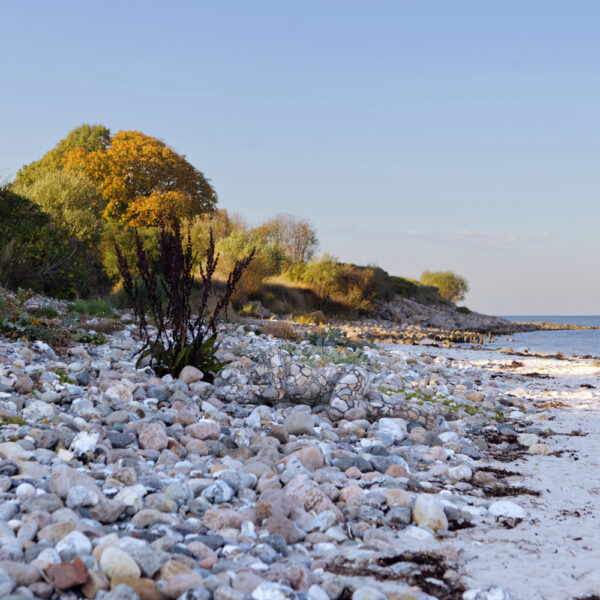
(143, 180)
(36, 254)
(266, 262)
(452, 287)
(72, 200)
(90, 138)
(323, 275)
(297, 237)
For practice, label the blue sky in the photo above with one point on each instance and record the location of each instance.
(439, 135)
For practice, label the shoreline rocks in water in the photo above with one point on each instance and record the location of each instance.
(289, 476)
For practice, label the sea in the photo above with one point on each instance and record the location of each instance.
(582, 342)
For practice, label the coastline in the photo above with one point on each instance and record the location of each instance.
(439, 479)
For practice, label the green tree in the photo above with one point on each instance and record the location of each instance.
(266, 262)
(71, 199)
(323, 276)
(452, 287)
(87, 137)
(36, 254)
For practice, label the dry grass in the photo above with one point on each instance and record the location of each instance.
(105, 326)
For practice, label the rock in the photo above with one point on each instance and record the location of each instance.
(175, 587)
(272, 591)
(23, 385)
(223, 518)
(460, 473)
(494, 592)
(7, 583)
(84, 442)
(21, 573)
(72, 545)
(191, 374)
(204, 429)
(13, 451)
(395, 428)
(121, 592)
(506, 508)
(397, 497)
(311, 457)
(527, 439)
(119, 393)
(147, 559)
(427, 512)
(539, 449)
(299, 422)
(80, 495)
(115, 562)
(351, 493)
(67, 575)
(365, 592)
(311, 497)
(153, 437)
(146, 589)
(96, 582)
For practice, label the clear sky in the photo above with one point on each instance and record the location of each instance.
(415, 135)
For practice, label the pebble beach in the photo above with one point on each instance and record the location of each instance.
(398, 472)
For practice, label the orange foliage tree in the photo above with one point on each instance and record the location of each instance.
(144, 181)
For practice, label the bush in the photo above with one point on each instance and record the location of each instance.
(94, 308)
(452, 287)
(73, 202)
(35, 254)
(463, 309)
(178, 338)
(266, 262)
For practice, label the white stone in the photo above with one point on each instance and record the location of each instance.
(448, 436)
(13, 451)
(73, 544)
(116, 562)
(396, 428)
(80, 495)
(85, 441)
(119, 392)
(271, 591)
(527, 439)
(25, 490)
(506, 508)
(460, 473)
(39, 410)
(427, 512)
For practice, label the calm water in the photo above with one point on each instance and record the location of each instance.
(582, 342)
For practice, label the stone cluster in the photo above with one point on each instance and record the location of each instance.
(116, 484)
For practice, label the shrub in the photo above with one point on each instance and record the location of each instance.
(463, 309)
(178, 338)
(73, 202)
(266, 262)
(35, 254)
(95, 308)
(452, 287)
(280, 329)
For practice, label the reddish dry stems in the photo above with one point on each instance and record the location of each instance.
(177, 332)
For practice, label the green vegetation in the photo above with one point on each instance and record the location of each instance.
(174, 335)
(62, 216)
(36, 254)
(63, 377)
(95, 307)
(452, 287)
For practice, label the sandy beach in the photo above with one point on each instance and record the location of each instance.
(553, 553)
